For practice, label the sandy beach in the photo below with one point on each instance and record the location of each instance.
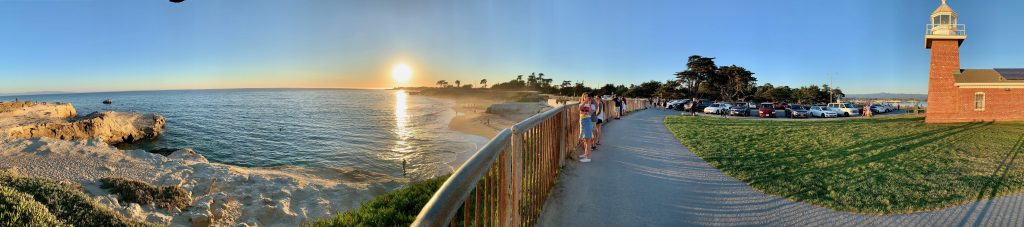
(472, 117)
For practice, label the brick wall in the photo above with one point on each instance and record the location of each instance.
(942, 95)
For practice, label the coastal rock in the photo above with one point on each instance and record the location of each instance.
(188, 154)
(25, 110)
(221, 195)
(54, 120)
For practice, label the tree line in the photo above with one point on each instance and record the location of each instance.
(702, 79)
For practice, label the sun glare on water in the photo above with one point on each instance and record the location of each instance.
(401, 73)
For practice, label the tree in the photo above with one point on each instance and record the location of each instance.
(644, 90)
(764, 92)
(531, 81)
(669, 90)
(483, 83)
(566, 83)
(458, 83)
(698, 71)
(607, 89)
(738, 82)
(441, 83)
(782, 94)
(806, 94)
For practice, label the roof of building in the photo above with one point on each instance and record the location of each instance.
(989, 76)
(944, 8)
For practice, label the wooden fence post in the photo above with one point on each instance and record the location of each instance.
(515, 216)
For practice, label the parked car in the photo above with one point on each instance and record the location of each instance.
(844, 109)
(700, 105)
(766, 110)
(822, 111)
(876, 108)
(717, 108)
(781, 105)
(677, 104)
(796, 111)
(740, 109)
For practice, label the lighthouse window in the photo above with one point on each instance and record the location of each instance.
(936, 20)
(979, 101)
(944, 19)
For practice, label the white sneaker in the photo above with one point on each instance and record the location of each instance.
(582, 156)
(585, 160)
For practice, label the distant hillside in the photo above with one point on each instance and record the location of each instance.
(31, 93)
(888, 96)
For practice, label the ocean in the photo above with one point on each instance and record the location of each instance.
(379, 131)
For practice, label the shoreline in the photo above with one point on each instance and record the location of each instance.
(228, 194)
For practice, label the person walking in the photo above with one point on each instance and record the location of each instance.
(586, 126)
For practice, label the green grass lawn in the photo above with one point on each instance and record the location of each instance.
(879, 166)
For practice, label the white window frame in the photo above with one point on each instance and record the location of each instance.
(978, 101)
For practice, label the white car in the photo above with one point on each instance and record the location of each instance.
(875, 108)
(821, 111)
(717, 108)
(844, 109)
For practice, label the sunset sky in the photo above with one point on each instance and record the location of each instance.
(869, 45)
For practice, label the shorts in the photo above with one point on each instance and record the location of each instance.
(586, 128)
(599, 121)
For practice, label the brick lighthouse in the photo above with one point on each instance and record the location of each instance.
(966, 95)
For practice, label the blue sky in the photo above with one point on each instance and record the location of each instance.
(868, 45)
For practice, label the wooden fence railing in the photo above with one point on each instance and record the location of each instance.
(507, 181)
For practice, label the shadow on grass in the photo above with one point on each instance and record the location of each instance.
(898, 145)
(995, 182)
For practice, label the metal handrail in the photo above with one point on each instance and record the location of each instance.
(954, 29)
(447, 200)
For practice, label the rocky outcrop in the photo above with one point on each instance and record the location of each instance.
(109, 127)
(37, 109)
(58, 120)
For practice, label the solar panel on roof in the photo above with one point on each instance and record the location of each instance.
(1011, 74)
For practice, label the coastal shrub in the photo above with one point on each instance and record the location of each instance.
(67, 202)
(19, 209)
(166, 197)
(396, 208)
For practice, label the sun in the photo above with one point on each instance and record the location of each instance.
(401, 73)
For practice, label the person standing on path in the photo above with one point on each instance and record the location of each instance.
(693, 107)
(599, 112)
(586, 126)
(618, 106)
(622, 106)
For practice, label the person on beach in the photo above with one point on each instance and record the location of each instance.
(599, 112)
(586, 126)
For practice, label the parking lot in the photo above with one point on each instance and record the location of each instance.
(781, 115)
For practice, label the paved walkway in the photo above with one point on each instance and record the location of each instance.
(642, 176)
